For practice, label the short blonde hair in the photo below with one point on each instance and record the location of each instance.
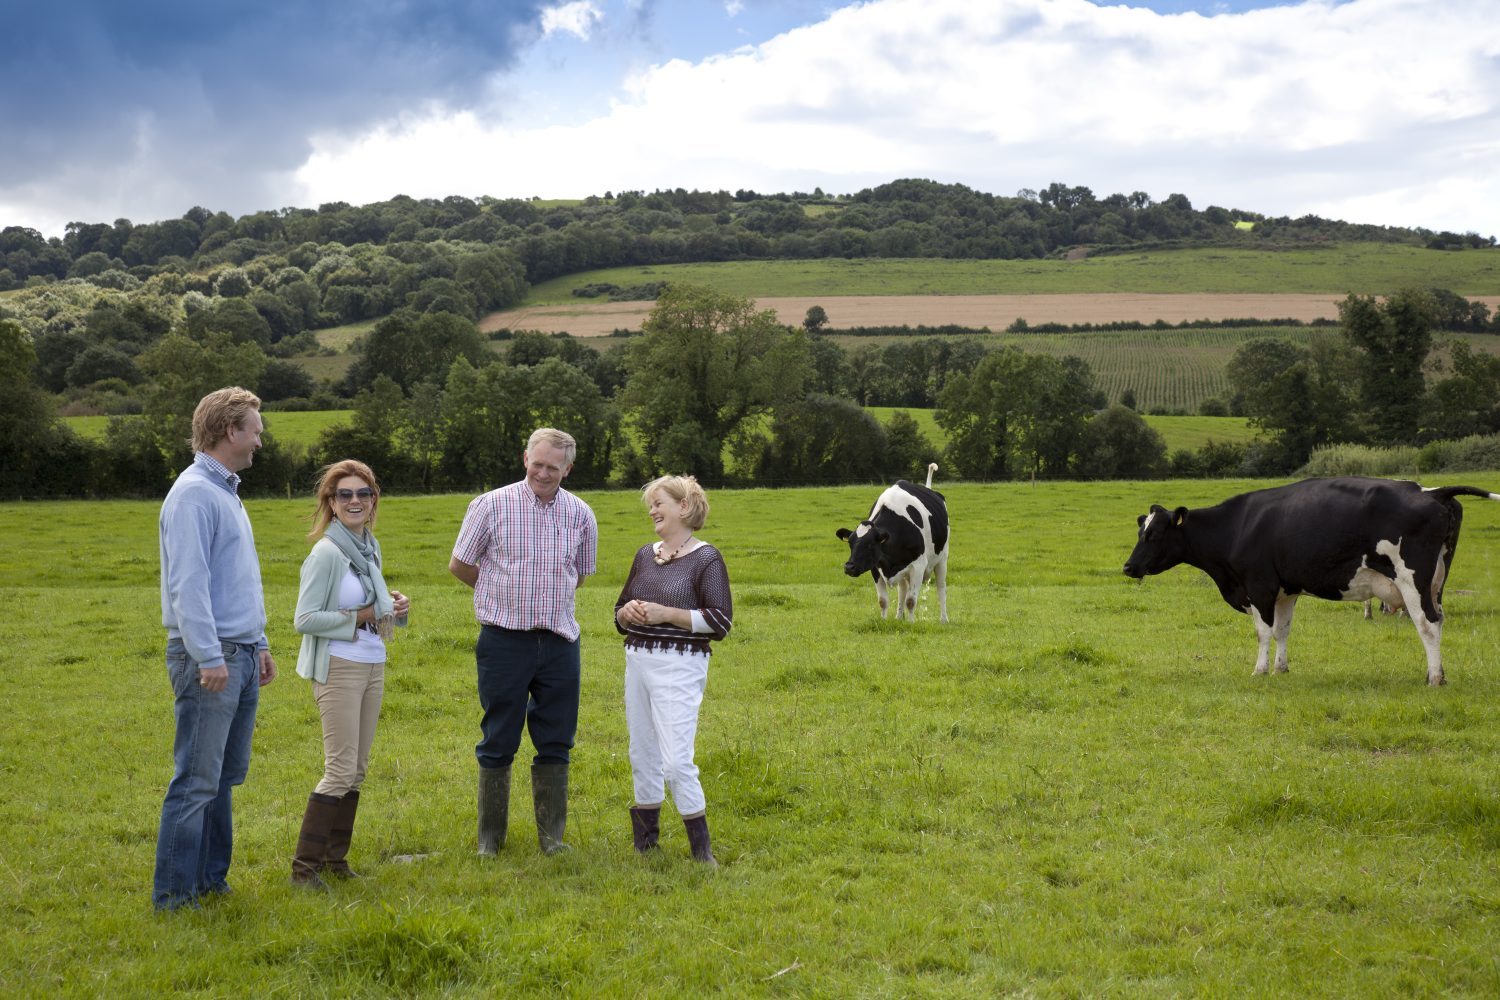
(681, 488)
(328, 484)
(219, 411)
(556, 438)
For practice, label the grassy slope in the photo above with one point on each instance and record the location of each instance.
(1075, 788)
(301, 428)
(1364, 268)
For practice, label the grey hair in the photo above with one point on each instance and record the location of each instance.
(556, 438)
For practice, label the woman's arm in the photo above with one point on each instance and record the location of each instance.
(317, 596)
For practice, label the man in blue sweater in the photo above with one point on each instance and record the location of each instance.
(217, 655)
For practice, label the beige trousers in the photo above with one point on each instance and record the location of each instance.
(350, 706)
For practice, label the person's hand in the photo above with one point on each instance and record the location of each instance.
(644, 613)
(365, 615)
(213, 679)
(400, 604)
(267, 668)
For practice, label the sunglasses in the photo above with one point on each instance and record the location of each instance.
(364, 493)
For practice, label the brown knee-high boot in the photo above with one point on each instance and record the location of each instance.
(312, 841)
(339, 836)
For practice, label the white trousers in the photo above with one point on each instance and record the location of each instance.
(663, 690)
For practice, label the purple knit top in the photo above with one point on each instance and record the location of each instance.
(697, 581)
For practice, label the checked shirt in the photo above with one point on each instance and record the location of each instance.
(532, 556)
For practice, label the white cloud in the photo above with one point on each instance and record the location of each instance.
(733, 7)
(1374, 110)
(577, 18)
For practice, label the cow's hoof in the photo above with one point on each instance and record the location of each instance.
(1281, 670)
(1437, 681)
(1259, 672)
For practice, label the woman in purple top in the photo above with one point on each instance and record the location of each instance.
(675, 602)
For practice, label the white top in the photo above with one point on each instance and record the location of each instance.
(367, 646)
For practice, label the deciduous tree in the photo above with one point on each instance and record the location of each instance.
(707, 363)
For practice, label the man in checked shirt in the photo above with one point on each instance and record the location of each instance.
(525, 549)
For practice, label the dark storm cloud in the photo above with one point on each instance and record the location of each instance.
(218, 96)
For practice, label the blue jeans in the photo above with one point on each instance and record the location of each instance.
(211, 754)
(526, 679)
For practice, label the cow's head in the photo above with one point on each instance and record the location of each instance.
(1160, 544)
(864, 547)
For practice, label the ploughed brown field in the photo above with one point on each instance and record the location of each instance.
(590, 319)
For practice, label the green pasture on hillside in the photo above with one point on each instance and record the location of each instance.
(1337, 269)
(1074, 788)
(302, 427)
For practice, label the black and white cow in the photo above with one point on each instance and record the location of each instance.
(1345, 539)
(904, 541)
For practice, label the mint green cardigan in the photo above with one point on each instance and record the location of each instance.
(318, 616)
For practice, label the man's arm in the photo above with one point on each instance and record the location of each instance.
(465, 572)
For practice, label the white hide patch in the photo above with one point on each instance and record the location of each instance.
(1146, 525)
(1404, 575)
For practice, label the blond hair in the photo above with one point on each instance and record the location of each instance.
(328, 484)
(681, 488)
(556, 438)
(218, 412)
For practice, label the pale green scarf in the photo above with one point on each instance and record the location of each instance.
(364, 560)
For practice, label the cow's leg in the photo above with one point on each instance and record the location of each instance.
(912, 578)
(1420, 592)
(940, 581)
(1368, 616)
(906, 596)
(1429, 629)
(881, 593)
(1262, 633)
(1286, 605)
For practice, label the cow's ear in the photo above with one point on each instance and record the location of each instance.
(1178, 516)
(844, 533)
(1140, 522)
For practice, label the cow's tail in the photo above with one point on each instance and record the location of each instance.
(933, 467)
(1449, 492)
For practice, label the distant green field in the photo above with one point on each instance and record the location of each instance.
(1167, 369)
(1191, 433)
(340, 338)
(302, 428)
(1339, 269)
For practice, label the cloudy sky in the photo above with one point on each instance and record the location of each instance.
(1381, 111)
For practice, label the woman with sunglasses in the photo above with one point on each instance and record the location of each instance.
(345, 614)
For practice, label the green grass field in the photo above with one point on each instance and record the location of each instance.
(1337, 269)
(1075, 788)
(302, 427)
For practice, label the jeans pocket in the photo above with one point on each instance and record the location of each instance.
(182, 672)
